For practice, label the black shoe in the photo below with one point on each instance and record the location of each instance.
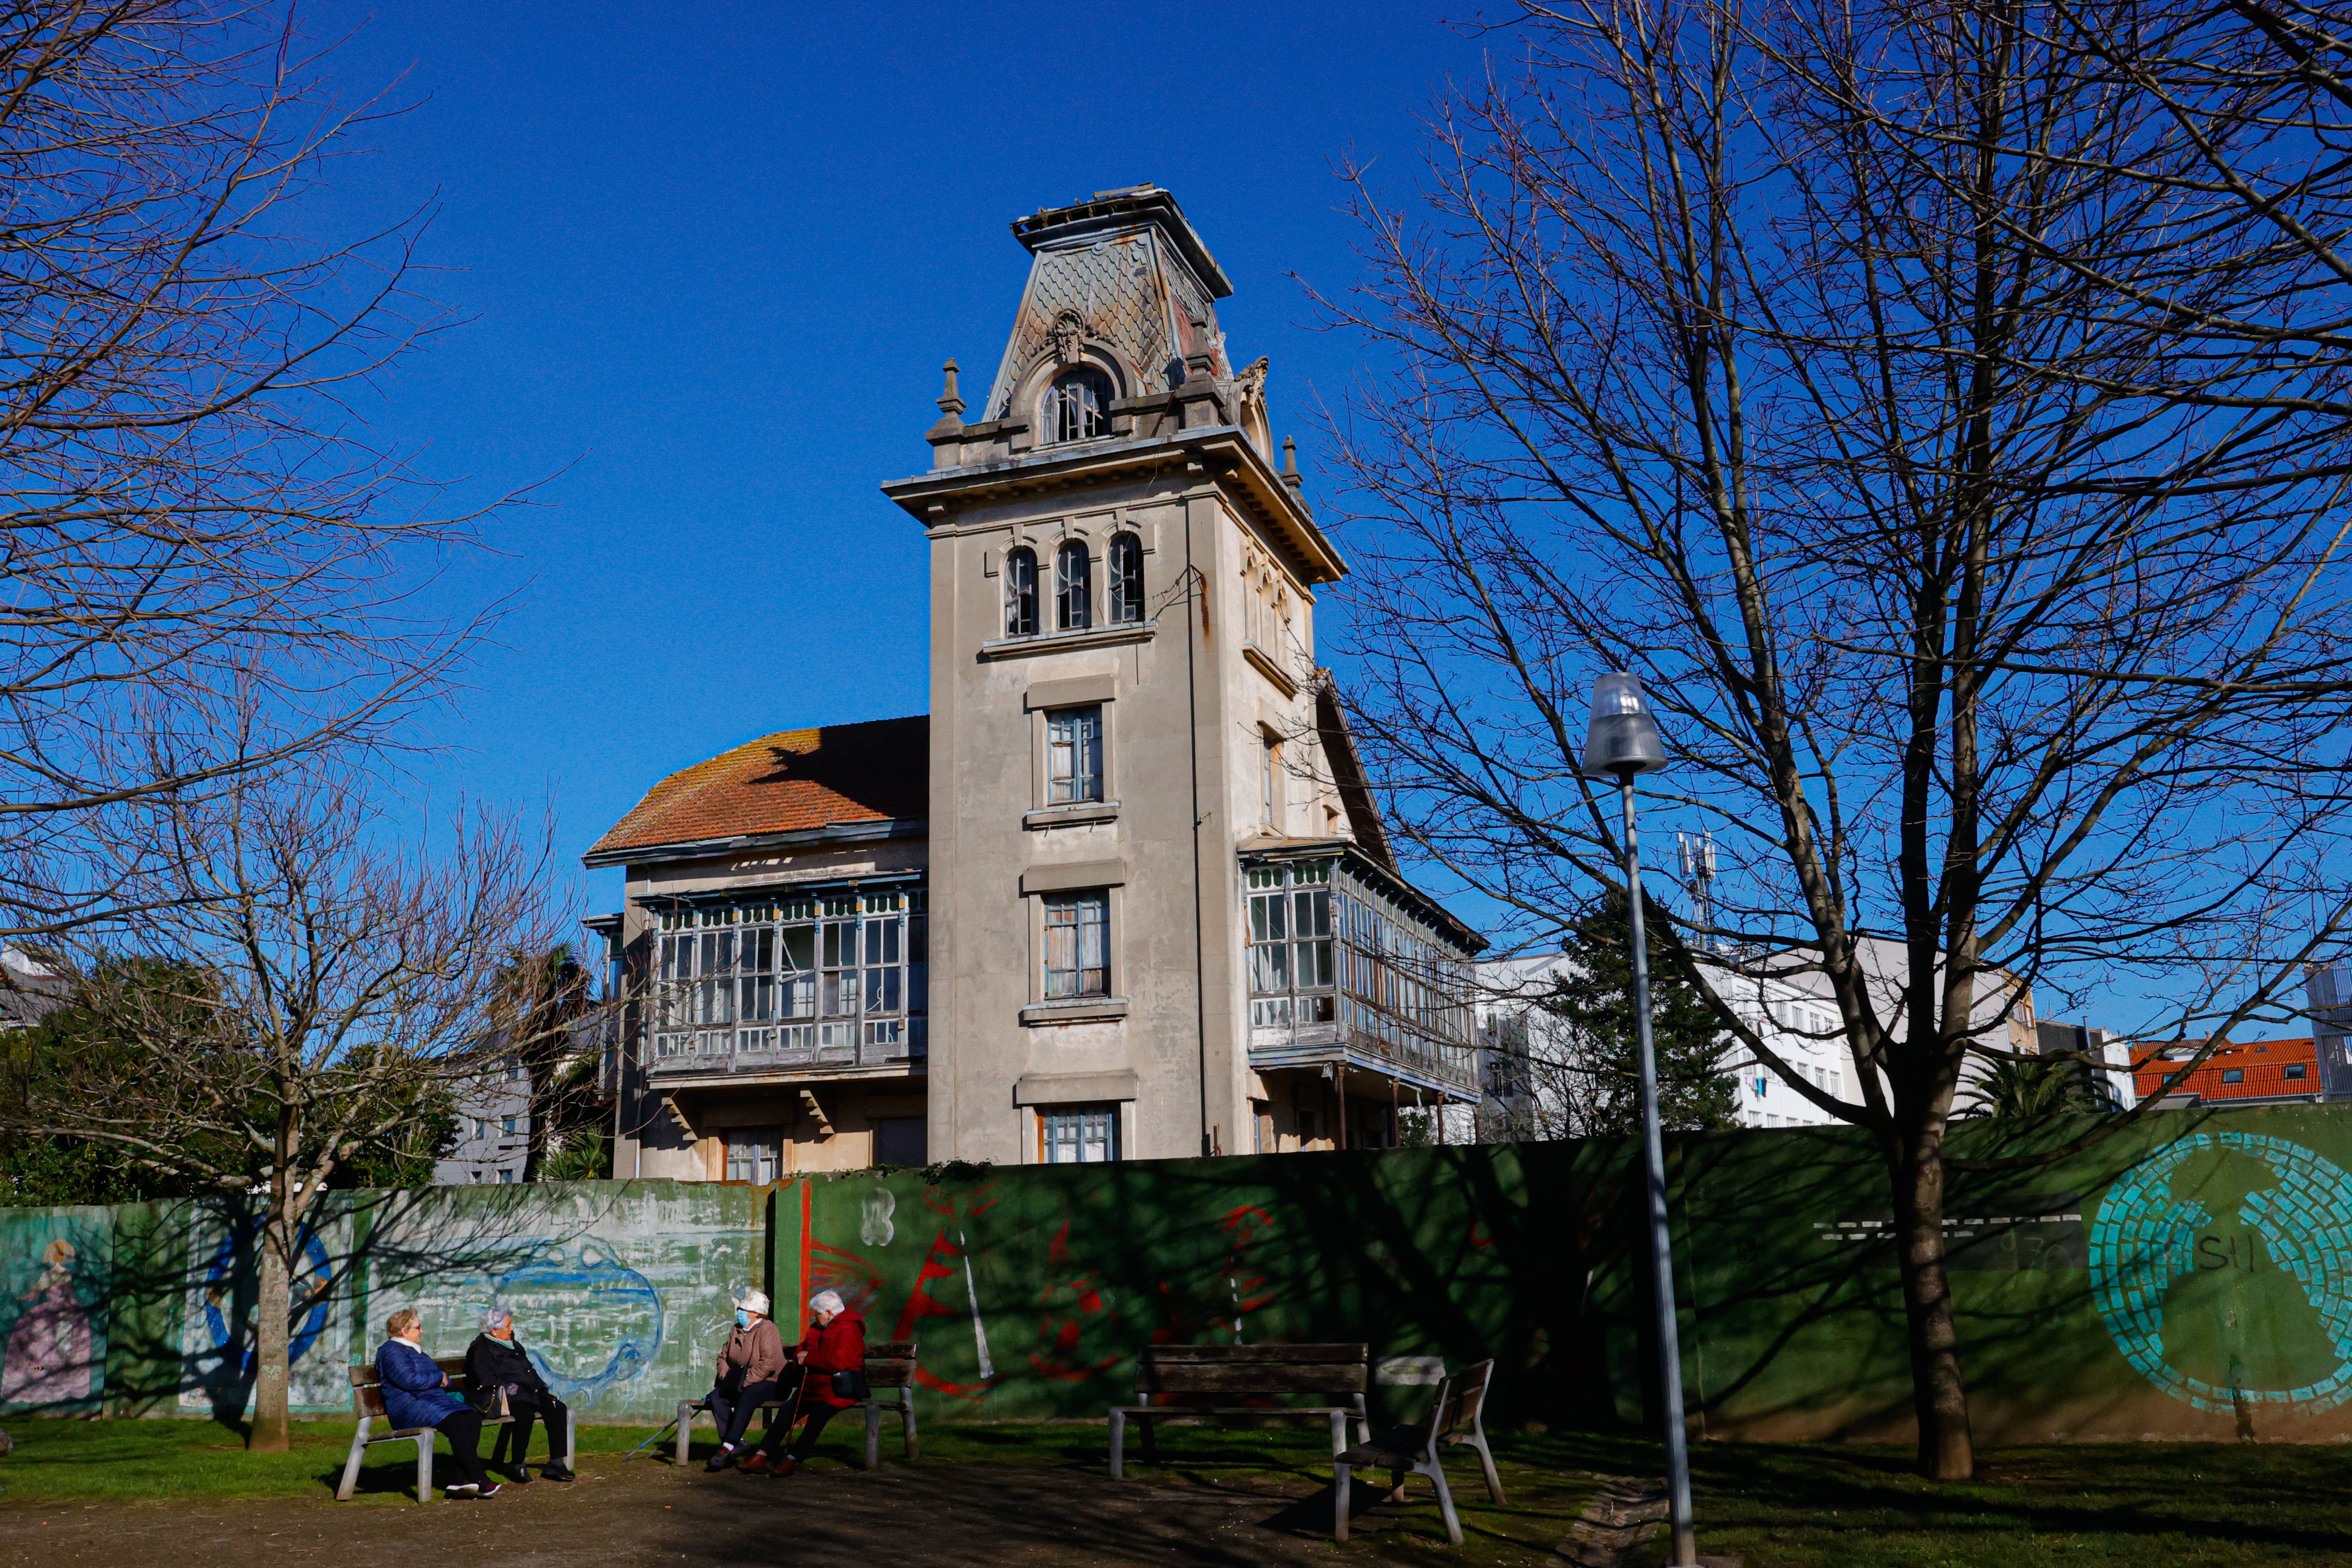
(519, 1475)
(721, 1460)
(555, 1473)
(490, 1489)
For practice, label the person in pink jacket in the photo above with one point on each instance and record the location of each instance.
(749, 1365)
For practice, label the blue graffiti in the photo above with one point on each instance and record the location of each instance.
(594, 1297)
(309, 1290)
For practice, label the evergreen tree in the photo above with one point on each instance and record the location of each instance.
(1601, 1078)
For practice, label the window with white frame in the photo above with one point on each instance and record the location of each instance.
(840, 973)
(1021, 592)
(1077, 1134)
(754, 1154)
(1077, 944)
(1073, 587)
(1290, 958)
(1123, 579)
(1074, 755)
(1077, 406)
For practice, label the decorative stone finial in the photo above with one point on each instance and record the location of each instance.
(1199, 364)
(1290, 463)
(951, 403)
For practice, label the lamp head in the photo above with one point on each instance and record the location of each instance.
(1624, 739)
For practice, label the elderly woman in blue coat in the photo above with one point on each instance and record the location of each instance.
(417, 1392)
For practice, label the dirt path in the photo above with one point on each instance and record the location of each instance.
(647, 1514)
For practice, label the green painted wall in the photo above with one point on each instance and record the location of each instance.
(2189, 1277)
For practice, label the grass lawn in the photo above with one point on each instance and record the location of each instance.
(2103, 1506)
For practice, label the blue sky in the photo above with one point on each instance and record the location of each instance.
(710, 258)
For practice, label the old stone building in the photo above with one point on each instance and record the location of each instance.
(1123, 893)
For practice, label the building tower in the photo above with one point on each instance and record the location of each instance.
(1164, 921)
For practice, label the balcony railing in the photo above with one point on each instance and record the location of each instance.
(769, 1048)
(1444, 1066)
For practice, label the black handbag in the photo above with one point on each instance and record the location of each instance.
(850, 1382)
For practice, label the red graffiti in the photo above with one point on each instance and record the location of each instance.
(857, 1281)
(1056, 1356)
(943, 1261)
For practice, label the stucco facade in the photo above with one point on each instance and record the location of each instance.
(1157, 916)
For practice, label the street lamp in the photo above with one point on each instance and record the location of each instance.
(1621, 743)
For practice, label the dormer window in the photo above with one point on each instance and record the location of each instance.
(1077, 406)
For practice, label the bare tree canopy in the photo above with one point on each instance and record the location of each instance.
(198, 545)
(301, 982)
(1944, 409)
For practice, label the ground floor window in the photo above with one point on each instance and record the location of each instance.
(1078, 1134)
(755, 1154)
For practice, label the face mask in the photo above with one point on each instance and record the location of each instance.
(742, 1320)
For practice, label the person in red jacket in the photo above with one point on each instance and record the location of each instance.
(835, 1342)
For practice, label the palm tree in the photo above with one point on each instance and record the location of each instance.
(2031, 1086)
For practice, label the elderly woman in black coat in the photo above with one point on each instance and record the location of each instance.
(496, 1359)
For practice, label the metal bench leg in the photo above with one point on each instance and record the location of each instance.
(907, 1423)
(352, 1465)
(1338, 1433)
(1363, 1421)
(1339, 1500)
(1434, 1468)
(1486, 1462)
(424, 1466)
(873, 1435)
(684, 1429)
(1118, 1444)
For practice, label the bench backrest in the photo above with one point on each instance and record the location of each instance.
(367, 1387)
(1461, 1402)
(1251, 1369)
(890, 1363)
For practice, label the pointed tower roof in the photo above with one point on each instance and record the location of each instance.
(1122, 270)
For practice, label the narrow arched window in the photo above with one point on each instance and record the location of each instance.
(1077, 407)
(1123, 578)
(1072, 588)
(1021, 592)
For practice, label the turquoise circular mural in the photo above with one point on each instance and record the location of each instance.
(2223, 1267)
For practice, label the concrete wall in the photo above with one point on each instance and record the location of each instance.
(2191, 1277)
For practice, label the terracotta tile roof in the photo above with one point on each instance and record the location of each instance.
(2260, 1066)
(784, 782)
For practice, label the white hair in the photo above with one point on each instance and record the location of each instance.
(827, 1301)
(496, 1318)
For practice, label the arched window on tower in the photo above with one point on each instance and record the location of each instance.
(1077, 407)
(1021, 592)
(1073, 587)
(1123, 578)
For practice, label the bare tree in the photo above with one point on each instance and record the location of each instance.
(545, 1018)
(1944, 410)
(198, 546)
(302, 983)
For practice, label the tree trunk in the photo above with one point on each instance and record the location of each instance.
(1946, 1451)
(271, 1311)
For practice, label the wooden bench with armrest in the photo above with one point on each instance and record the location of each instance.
(1457, 1420)
(367, 1405)
(890, 1376)
(1243, 1380)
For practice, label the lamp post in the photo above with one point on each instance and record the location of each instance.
(1623, 743)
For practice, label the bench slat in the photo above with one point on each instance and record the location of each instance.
(1263, 1378)
(1230, 1355)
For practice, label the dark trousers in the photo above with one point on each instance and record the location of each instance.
(732, 1406)
(528, 1405)
(780, 1427)
(464, 1430)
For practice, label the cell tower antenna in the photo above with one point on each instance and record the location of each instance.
(1697, 853)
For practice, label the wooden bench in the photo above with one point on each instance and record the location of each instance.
(1457, 1420)
(367, 1404)
(1223, 1380)
(889, 1376)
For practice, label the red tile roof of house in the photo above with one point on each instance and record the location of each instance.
(792, 781)
(2263, 1064)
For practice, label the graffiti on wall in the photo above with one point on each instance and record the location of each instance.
(218, 1317)
(617, 1302)
(2222, 1268)
(53, 1288)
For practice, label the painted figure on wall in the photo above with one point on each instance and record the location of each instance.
(48, 1358)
